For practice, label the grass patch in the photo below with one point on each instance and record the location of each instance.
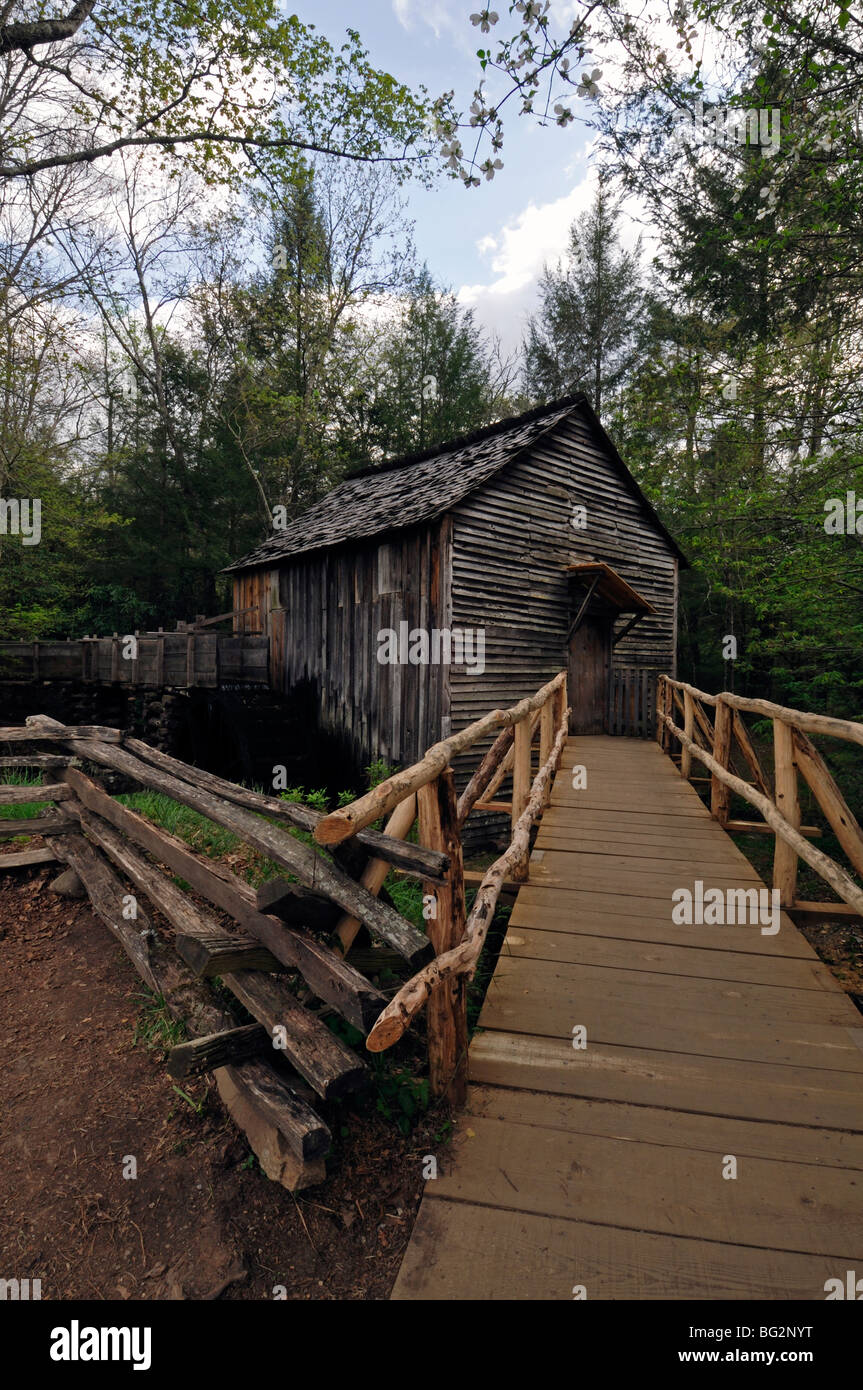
(30, 809)
(154, 1026)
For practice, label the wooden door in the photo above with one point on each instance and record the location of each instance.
(589, 671)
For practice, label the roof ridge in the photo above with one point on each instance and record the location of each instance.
(465, 441)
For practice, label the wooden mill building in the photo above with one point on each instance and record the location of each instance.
(529, 541)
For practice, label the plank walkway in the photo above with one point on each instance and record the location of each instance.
(603, 1168)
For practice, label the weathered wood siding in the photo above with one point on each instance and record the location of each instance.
(512, 541)
(324, 613)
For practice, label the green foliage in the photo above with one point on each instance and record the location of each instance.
(155, 1027)
(27, 811)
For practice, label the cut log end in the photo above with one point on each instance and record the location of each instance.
(333, 829)
(385, 1034)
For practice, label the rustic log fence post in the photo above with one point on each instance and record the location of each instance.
(521, 782)
(447, 1005)
(688, 724)
(788, 804)
(720, 794)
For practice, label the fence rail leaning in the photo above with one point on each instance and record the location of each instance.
(336, 889)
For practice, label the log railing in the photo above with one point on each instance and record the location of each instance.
(120, 858)
(716, 742)
(457, 938)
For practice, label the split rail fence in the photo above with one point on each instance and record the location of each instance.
(716, 742)
(294, 935)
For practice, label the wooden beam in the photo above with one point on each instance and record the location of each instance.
(346, 821)
(215, 1050)
(788, 806)
(25, 858)
(31, 733)
(447, 1004)
(840, 816)
(327, 1063)
(33, 792)
(826, 910)
(374, 874)
(479, 781)
(720, 796)
(462, 960)
(747, 748)
(757, 827)
(414, 859)
(45, 760)
(220, 952)
(37, 825)
(331, 978)
(688, 722)
(503, 806)
(521, 782)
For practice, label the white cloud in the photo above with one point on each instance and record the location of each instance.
(437, 14)
(535, 237)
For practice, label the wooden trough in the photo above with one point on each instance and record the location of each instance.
(272, 1072)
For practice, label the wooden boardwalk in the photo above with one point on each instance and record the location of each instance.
(603, 1167)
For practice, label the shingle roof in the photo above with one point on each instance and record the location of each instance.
(419, 487)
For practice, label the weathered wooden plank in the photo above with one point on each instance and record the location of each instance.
(215, 1050)
(30, 734)
(581, 948)
(323, 969)
(36, 825)
(300, 859)
(24, 858)
(636, 1184)
(676, 1081)
(415, 859)
(328, 1065)
(462, 1252)
(32, 792)
(188, 999)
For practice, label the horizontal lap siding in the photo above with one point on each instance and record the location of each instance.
(334, 604)
(512, 541)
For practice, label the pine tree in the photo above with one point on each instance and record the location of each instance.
(586, 334)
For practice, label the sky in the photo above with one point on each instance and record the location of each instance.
(489, 243)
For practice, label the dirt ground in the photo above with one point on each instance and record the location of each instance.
(78, 1095)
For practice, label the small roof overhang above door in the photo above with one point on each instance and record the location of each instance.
(611, 587)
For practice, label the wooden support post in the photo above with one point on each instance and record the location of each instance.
(447, 1004)
(521, 781)
(787, 803)
(547, 730)
(720, 793)
(688, 725)
(376, 870)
